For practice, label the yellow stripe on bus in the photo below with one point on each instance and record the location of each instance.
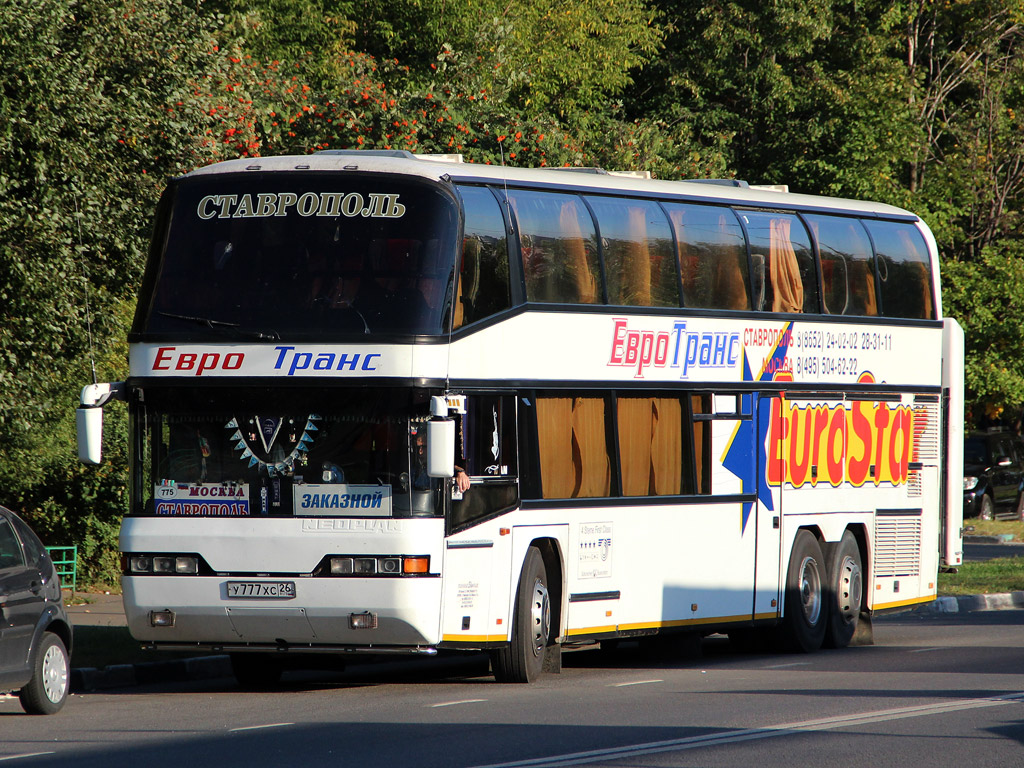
(473, 638)
(903, 603)
(669, 624)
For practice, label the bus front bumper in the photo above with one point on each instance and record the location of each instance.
(354, 615)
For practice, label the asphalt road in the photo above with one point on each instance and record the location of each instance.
(977, 552)
(935, 689)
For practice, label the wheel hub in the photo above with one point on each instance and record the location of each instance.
(55, 674)
(850, 589)
(540, 617)
(810, 590)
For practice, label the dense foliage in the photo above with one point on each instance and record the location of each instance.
(916, 103)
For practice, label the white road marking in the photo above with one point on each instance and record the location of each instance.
(751, 734)
(926, 650)
(258, 727)
(27, 754)
(637, 682)
(791, 664)
(455, 703)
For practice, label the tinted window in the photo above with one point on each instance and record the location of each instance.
(10, 548)
(712, 257)
(483, 280)
(489, 441)
(34, 549)
(637, 244)
(303, 452)
(559, 248)
(654, 446)
(904, 268)
(847, 265)
(292, 254)
(573, 444)
(785, 277)
(976, 450)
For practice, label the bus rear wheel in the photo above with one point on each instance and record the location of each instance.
(846, 592)
(806, 617)
(523, 659)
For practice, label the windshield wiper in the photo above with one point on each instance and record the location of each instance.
(221, 324)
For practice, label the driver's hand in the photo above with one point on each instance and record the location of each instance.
(462, 480)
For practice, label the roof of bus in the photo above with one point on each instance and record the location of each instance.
(438, 168)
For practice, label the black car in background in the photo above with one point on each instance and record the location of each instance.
(35, 634)
(993, 475)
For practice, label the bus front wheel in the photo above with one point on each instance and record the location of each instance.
(806, 617)
(523, 659)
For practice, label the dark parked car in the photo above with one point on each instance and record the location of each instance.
(35, 634)
(993, 475)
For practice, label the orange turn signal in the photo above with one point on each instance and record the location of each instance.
(416, 565)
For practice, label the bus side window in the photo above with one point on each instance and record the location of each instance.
(637, 245)
(712, 256)
(559, 247)
(573, 447)
(652, 448)
(847, 265)
(904, 268)
(489, 450)
(701, 406)
(483, 277)
(785, 276)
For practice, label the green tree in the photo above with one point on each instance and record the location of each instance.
(99, 103)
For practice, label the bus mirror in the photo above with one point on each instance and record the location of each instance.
(89, 419)
(441, 448)
(89, 422)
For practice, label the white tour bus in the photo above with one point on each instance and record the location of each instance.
(682, 408)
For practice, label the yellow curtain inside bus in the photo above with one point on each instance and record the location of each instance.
(573, 450)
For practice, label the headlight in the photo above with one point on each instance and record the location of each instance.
(160, 565)
(382, 565)
(970, 483)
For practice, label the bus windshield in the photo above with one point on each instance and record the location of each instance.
(270, 452)
(296, 255)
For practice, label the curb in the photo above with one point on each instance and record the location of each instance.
(1006, 601)
(149, 672)
(1001, 538)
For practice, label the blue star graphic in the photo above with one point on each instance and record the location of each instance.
(752, 434)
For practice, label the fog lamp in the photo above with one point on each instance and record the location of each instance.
(161, 618)
(363, 620)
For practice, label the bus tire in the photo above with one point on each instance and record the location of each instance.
(806, 618)
(522, 660)
(257, 670)
(846, 592)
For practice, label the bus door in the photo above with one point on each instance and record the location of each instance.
(766, 512)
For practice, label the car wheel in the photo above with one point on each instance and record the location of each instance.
(47, 691)
(987, 509)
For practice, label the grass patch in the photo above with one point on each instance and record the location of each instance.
(994, 528)
(101, 647)
(1003, 574)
